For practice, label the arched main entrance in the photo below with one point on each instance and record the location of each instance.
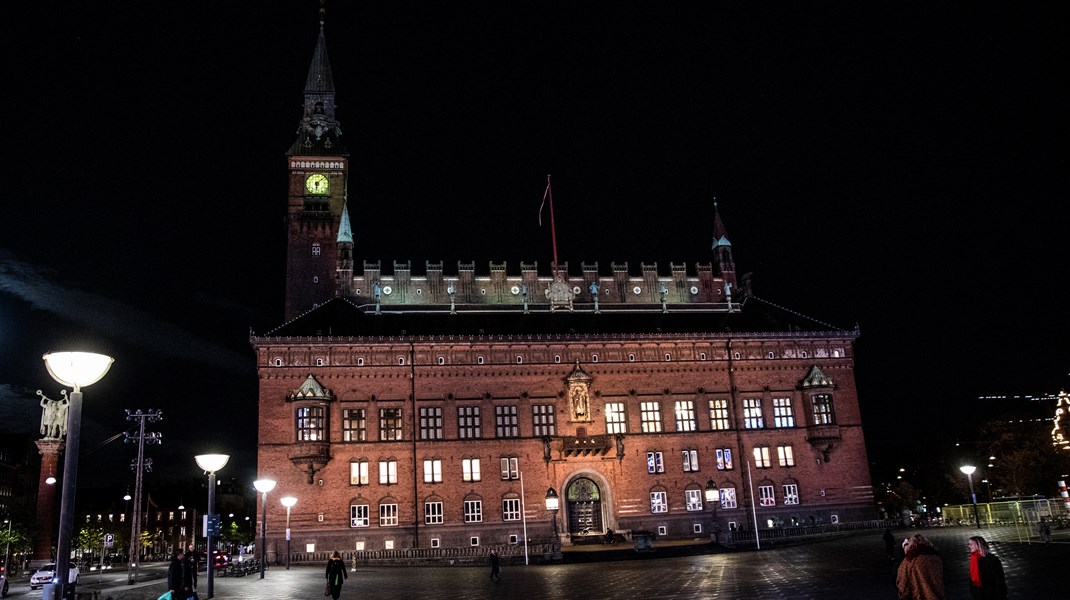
(584, 500)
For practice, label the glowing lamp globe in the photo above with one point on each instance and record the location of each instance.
(210, 463)
(77, 369)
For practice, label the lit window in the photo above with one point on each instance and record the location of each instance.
(766, 497)
(358, 515)
(388, 515)
(315, 248)
(432, 513)
(724, 459)
(791, 493)
(685, 415)
(510, 468)
(390, 424)
(358, 472)
(354, 425)
(785, 456)
(310, 424)
(690, 460)
(651, 415)
(388, 472)
(473, 511)
(719, 414)
(470, 467)
(659, 503)
(752, 413)
(728, 497)
(782, 413)
(655, 462)
(761, 457)
(693, 499)
(823, 409)
(616, 421)
(433, 471)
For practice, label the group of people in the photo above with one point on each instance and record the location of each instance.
(182, 574)
(921, 572)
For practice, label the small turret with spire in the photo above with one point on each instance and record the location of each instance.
(722, 248)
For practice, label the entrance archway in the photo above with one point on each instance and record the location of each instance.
(584, 500)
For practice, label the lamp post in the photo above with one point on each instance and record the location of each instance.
(77, 370)
(553, 503)
(7, 552)
(263, 486)
(713, 498)
(210, 463)
(968, 470)
(288, 502)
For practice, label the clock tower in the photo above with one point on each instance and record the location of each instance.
(318, 166)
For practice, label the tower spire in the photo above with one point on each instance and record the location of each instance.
(319, 133)
(722, 248)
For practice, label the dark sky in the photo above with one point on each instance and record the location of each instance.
(896, 165)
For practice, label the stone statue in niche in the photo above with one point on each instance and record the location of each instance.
(580, 402)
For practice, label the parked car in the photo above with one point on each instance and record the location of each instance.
(47, 574)
(220, 559)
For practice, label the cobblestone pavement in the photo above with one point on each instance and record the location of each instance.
(853, 567)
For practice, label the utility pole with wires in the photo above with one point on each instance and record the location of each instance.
(139, 465)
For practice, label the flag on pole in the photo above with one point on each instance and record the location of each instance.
(545, 195)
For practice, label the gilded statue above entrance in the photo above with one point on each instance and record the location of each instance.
(579, 394)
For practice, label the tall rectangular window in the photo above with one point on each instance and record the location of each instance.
(506, 423)
(354, 425)
(616, 420)
(761, 457)
(685, 415)
(690, 460)
(430, 422)
(785, 456)
(655, 462)
(511, 509)
(358, 472)
(388, 472)
(719, 414)
(659, 502)
(693, 499)
(433, 471)
(766, 496)
(543, 417)
(310, 424)
(358, 515)
(470, 469)
(473, 511)
(433, 513)
(791, 493)
(389, 424)
(783, 416)
(468, 424)
(388, 515)
(823, 409)
(651, 415)
(728, 497)
(510, 468)
(724, 459)
(752, 413)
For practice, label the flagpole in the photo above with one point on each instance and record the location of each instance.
(553, 230)
(524, 512)
(753, 508)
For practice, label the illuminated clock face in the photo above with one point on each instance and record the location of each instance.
(316, 183)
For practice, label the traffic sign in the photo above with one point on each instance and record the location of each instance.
(109, 540)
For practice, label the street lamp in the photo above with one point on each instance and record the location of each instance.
(552, 504)
(77, 370)
(968, 470)
(263, 486)
(713, 498)
(288, 502)
(7, 552)
(210, 463)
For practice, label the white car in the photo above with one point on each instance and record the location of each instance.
(47, 574)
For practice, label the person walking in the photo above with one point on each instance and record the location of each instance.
(921, 574)
(176, 577)
(193, 560)
(495, 567)
(336, 573)
(986, 572)
(889, 544)
(1045, 530)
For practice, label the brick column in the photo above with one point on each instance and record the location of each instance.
(47, 499)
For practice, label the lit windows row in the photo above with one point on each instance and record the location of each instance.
(311, 420)
(434, 513)
(432, 468)
(785, 454)
(693, 498)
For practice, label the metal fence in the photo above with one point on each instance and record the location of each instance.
(1025, 512)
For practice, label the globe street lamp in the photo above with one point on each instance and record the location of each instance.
(210, 463)
(968, 470)
(288, 502)
(553, 503)
(263, 486)
(77, 370)
(713, 498)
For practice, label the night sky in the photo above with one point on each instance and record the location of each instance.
(898, 166)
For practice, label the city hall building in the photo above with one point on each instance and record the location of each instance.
(439, 406)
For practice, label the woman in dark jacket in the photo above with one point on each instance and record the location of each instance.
(986, 572)
(336, 572)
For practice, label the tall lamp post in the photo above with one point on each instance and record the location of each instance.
(76, 370)
(968, 470)
(553, 503)
(288, 502)
(210, 463)
(263, 486)
(713, 498)
(7, 553)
